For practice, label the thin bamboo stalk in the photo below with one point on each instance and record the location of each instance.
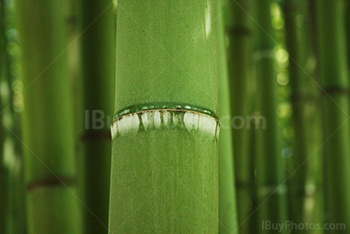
(252, 219)
(335, 102)
(2, 192)
(305, 181)
(315, 186)
(48, 128)
(239, 32)
(347, 30)
(270, 171)
(12, 150)
(317, 168)
(3, 71)
(11, 188)
(14, 205)
(294, 36)
(98, 62)
(164, 163)
(227, 192)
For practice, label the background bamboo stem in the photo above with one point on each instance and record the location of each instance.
(48, 123)
(347, 30)
(98, 62)
(227, 190)
(239, 51)
(270, 171)
(335, 103)
(304, 191)
(3, 72)
(294, 36)
(253, 219)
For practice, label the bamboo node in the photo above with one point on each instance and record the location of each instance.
(53, 181)
(145, 118)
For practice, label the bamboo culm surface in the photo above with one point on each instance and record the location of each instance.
(98, 62)
(294, 36)
(335, 105)
(305, 192)
(270, 165)
(347, 25)
(48, 128)
(2, 132)
(305, 178)
(227, 191)
(239, 51)
(165, 151)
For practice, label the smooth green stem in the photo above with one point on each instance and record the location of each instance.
(239, 51)
(3, 69)
(48, 122)
(11, 186)
(98, 62)
(227, 191)
(165, 162)
(304, 189)
(252, 219)
(270, 165)
(347, 30)
(336, 109)
(294, 36)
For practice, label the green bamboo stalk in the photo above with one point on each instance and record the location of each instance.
(2, 190)
(347, 30)
(12, 149)
(98, 62)
(3, 71)
(75, 70)
(6, 177)
(14, 206)
(305, 181)
(294, 37)
(315, 187)
(164, 164)
(270, 171)
(335, 102)
(239, 32)
(307, 121)
(227, 192)
(48, 128)
(252, 219)
(315, 120)
(76, 34)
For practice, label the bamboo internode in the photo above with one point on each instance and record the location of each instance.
(165, 162)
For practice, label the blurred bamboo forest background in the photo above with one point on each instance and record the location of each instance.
(283, 106)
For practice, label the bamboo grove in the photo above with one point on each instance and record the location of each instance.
(174, 117)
